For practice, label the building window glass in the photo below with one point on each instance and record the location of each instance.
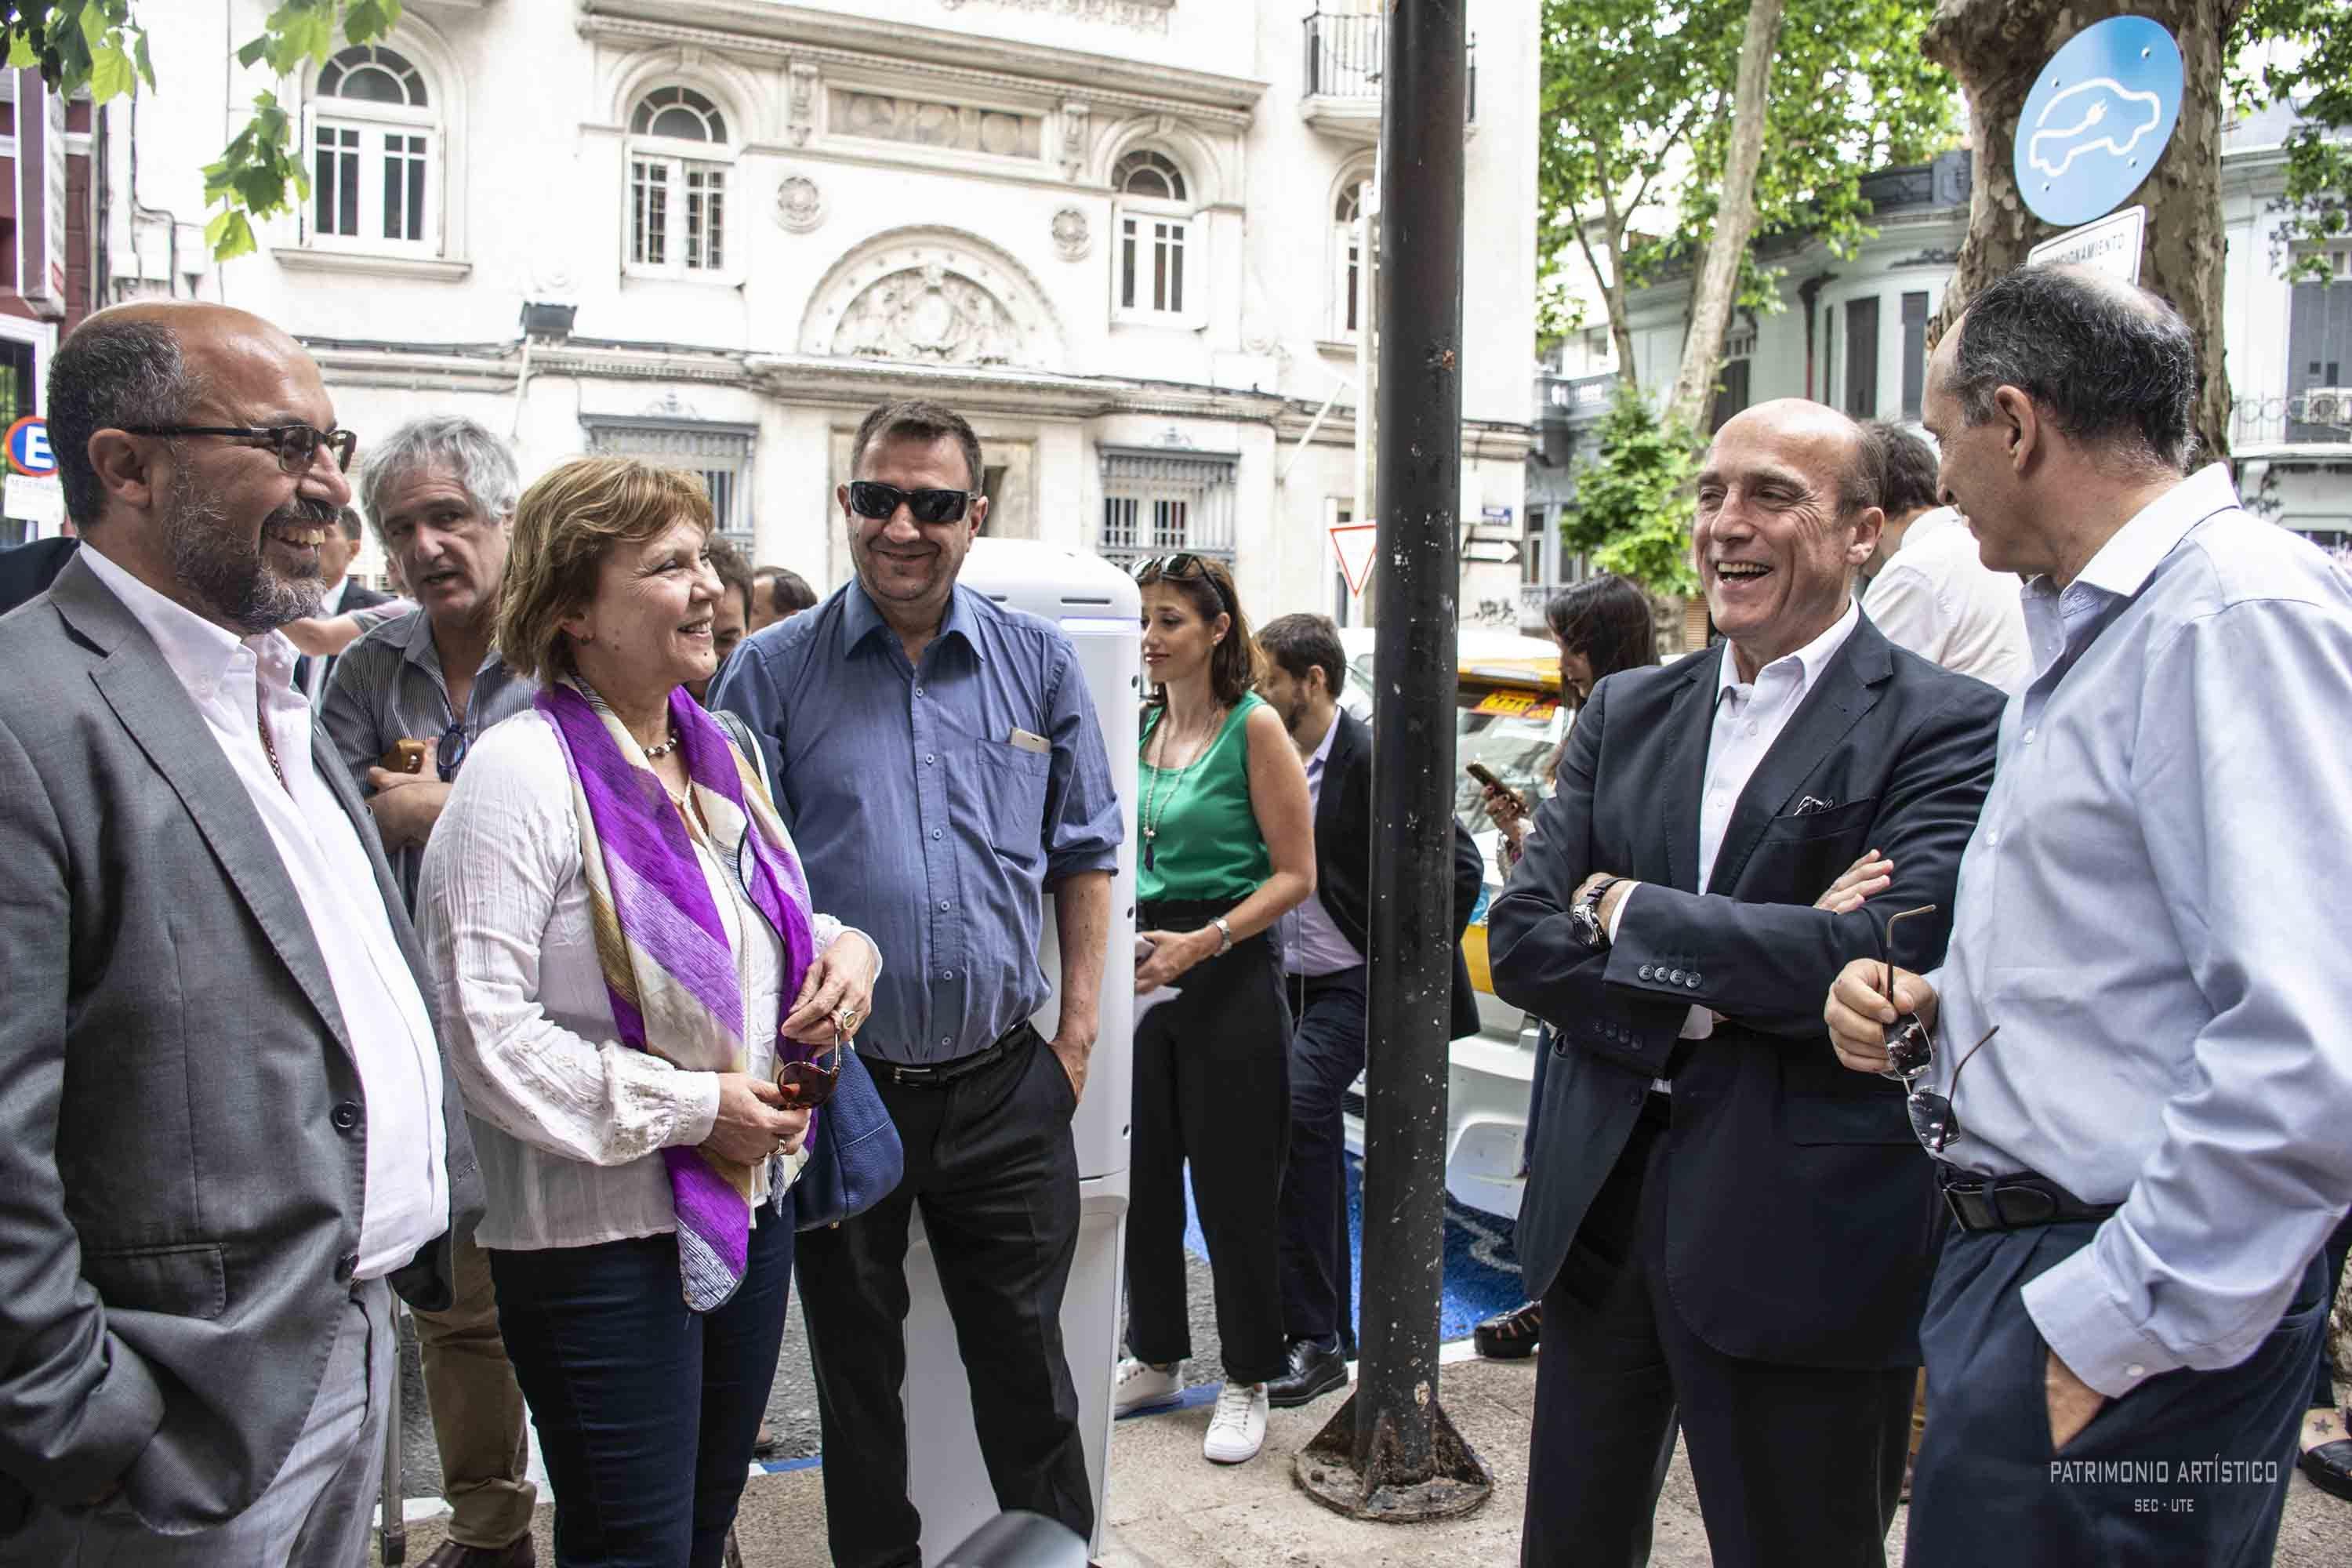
(1154, 229)
(1861, 358)
(678, 166)
(374, 146)
(1914, 353)
(1348, 263)
(718, 455)
(2319, 358)
(1158, 503)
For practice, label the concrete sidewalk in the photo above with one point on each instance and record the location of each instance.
(1168, 1507)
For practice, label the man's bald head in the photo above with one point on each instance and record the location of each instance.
(1842, 448)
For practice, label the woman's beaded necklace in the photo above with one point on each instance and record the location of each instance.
(1150, 817)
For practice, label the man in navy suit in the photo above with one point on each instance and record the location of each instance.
(1724, 1225)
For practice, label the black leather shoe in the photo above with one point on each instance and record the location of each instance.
(1512, 1335)
(516, 1553)
(1312, 1372)
(2329, 1465)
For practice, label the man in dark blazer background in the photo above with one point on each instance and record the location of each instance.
(1724, 1226)
(1324, 942)
(225, 1128)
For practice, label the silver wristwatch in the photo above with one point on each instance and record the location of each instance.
(1224, 936)
(1585, 914)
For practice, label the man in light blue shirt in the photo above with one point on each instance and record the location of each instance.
(939, 761)
(2148, 1144)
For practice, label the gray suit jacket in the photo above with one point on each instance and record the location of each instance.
(179, 1215)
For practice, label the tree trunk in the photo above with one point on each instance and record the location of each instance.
(1735, 219)
(1996, 49)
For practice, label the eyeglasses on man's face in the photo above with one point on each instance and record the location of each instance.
(297, 446)
(871, 497)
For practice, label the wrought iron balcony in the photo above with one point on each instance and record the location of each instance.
(1344, 59)
(2320, 417)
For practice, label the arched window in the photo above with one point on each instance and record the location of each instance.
(375, 148)
(1348, 277)
(678, 157)
(1154, 225)
(1144, 173)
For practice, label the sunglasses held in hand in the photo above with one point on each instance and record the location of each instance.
(1910, 1049)
(807, 1080)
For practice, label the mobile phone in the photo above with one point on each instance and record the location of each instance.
(1484, 776)
(406, 757)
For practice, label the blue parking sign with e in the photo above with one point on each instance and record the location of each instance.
(2099, 116)
(29, 448)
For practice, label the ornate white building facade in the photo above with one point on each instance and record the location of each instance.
(1117, 234)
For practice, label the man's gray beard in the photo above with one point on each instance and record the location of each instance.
(229, 575)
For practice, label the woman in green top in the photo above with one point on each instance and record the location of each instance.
(1228, 847)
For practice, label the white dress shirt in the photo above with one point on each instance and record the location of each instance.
(2151, 909)
(1748, 718)
(1937, 598)
(231, 679)
(1312, 942)
(330, 604)
(568, 1122)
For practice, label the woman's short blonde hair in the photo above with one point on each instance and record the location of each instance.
(566, 523)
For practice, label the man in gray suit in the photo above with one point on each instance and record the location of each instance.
(224, 1120)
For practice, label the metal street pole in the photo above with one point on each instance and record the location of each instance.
(1390, 1452)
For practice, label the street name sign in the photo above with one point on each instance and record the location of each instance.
(2111, 245)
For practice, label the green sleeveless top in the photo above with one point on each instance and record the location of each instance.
(1203, 840)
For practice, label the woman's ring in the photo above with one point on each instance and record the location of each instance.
(846, 1017)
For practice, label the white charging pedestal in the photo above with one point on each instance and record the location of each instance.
(1099, 606)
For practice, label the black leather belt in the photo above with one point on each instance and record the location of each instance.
(2013, 1203)
(939, 1074)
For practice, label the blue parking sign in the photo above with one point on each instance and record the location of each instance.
(29, 448)
(2099, 116)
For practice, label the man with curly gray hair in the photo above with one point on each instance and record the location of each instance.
(440, 493)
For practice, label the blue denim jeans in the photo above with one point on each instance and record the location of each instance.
(646, 1411)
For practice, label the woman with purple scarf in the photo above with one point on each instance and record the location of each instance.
(625, 952)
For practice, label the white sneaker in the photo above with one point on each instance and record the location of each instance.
(1143, 1386)
(1237, 1431)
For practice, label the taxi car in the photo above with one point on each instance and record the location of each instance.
(1508, 715)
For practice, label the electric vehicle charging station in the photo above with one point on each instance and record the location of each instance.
(1100, 609)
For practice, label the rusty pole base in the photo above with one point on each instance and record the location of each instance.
(1325, 1470)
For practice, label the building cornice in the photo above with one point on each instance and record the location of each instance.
(806, 380)
(759, 29)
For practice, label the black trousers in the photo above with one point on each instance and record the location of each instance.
(1797, 1467)
(990, 1159)
(1327, 1052)
(647, 1410)
(1990, 1488)
(1212, 1086)
(2331, 1258)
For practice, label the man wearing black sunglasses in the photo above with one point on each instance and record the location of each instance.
(2140, 1167)
(941, 764)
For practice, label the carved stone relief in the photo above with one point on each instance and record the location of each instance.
(799, 205)
(933, 297)
(1144, 16)
(1071, 236)
(1074, 118)
(932, 316)
(957, 126)
(801, 103)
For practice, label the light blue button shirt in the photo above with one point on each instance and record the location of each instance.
(920, 818)
(2152, 910)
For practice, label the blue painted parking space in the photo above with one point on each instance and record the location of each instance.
(1482, 1271)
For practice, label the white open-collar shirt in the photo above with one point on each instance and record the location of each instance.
(231, 679)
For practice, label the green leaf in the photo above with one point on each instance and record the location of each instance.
(138, 56)
(21, 52)
(111, 75)
(93, 28)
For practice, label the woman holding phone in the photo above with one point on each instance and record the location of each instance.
(1227, 849)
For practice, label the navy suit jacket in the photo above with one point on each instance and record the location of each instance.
(1801, 1221)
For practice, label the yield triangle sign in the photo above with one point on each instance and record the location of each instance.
(1355, 543)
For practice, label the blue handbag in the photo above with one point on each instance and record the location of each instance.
(855, 1157)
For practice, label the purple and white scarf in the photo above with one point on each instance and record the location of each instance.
(672, 978)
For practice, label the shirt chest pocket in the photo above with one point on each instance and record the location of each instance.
(1010, 785)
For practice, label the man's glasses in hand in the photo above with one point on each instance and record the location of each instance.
(1910, 1049)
